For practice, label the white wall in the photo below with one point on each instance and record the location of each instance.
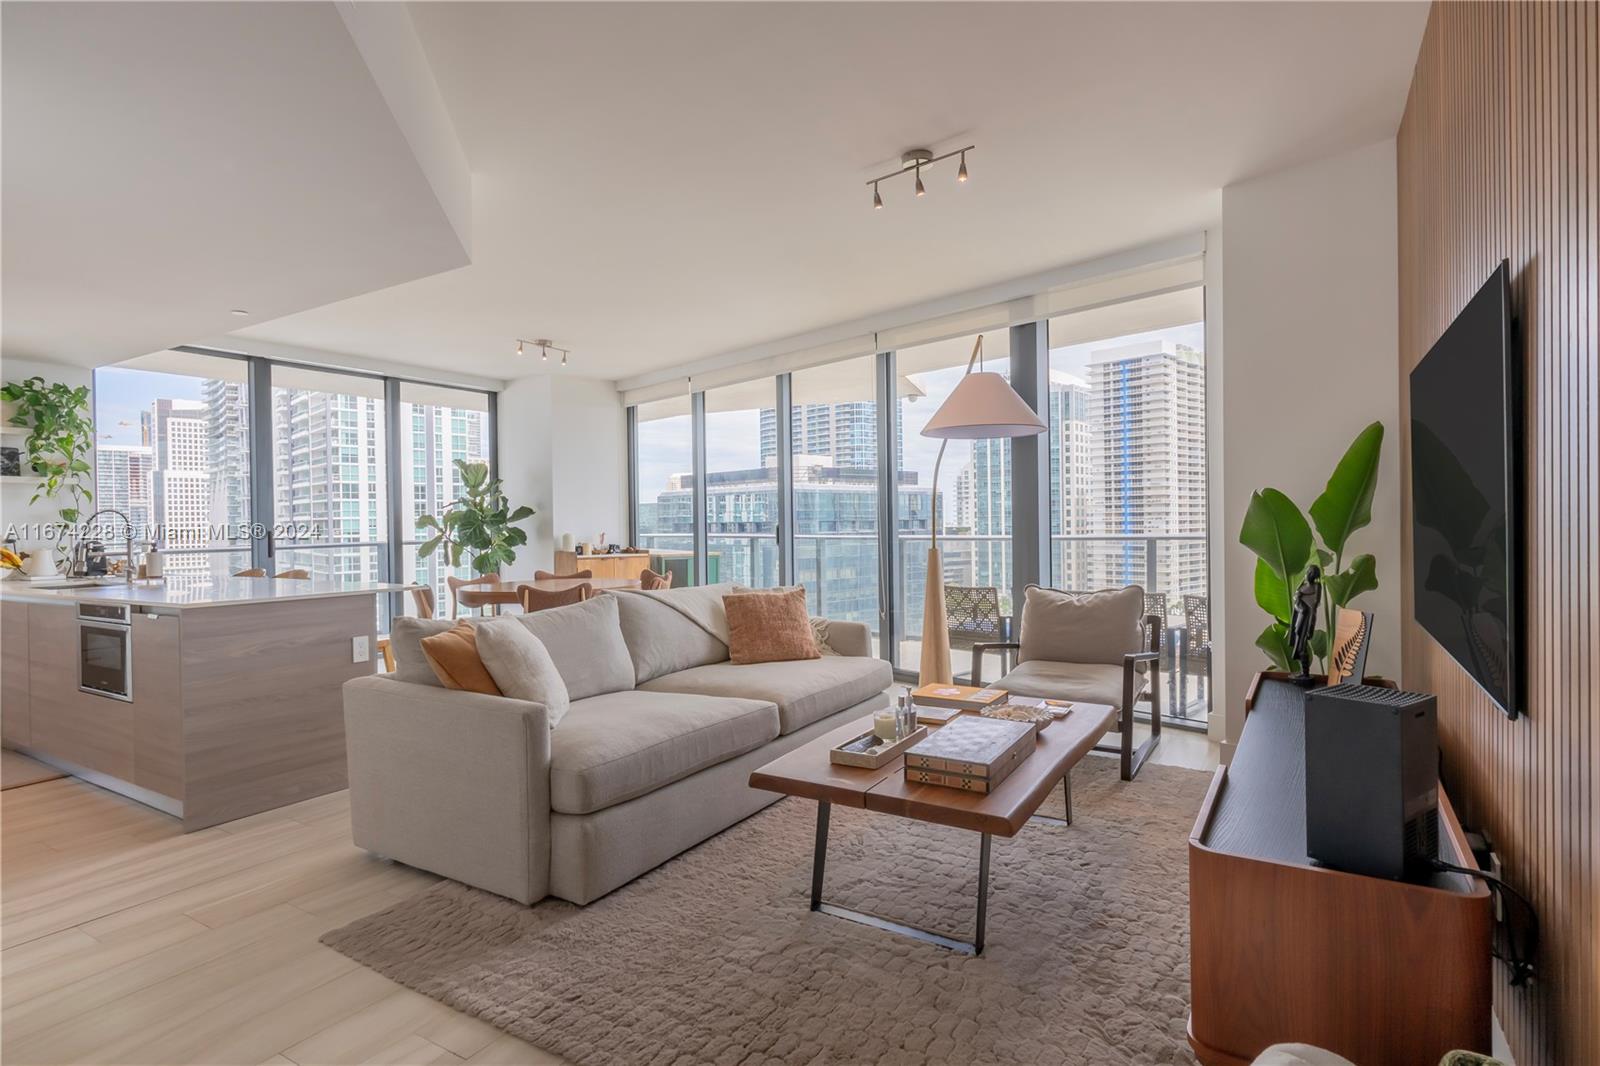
(1310, 343)
(15, 511)
(563, 451)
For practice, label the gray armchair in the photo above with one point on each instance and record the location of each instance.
(1089, 648)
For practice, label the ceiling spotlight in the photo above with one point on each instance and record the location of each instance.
(912, 161)
(545, 348)
(519, 347)
(563, 358)
(544, 353)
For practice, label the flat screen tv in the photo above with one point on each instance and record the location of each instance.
(1466, 492)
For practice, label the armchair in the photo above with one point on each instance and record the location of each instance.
(1093, 648)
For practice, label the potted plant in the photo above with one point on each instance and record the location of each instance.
(479, 524)
(1284, 544)
(60, 440)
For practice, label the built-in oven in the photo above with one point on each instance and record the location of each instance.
(105, 649)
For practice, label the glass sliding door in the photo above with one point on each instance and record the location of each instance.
(438, 427)
(1128, 469)
(834, 442)
(742, 484)
(329, 475)
(973, 497)
(663, 465)
(173, 455)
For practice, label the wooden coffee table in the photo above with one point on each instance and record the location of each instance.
(808, 773)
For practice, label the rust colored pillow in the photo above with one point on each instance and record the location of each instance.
(769, 626)
(453, 655)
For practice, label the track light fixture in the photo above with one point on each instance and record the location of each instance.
(545, 348)
(913, 160)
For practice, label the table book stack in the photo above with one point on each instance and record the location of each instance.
(937, 704)
(971, 753)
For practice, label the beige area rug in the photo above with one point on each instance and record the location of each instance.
(715, 956)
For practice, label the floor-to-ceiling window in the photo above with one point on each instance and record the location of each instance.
(329, 475)
(438, 428)
(973, 497)
(742, 484)
(833, 435)
(664, 475)
(1128, 469)
(173, 455)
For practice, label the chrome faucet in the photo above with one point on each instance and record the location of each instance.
(80, 550)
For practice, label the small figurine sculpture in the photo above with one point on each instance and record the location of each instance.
(1303, 623)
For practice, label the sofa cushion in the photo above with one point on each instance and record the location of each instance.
(1097, 627)
(520, 665)
(585, 640)
(614, 747)
(1088, 682)
(805, 690)
(454, 657)
(661, 639)
(405, 641)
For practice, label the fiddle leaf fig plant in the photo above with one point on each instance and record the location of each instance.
(60, 440)
(1284, 544)
(479, 524)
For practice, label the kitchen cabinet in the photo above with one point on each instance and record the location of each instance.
(14, 705)
(77, 728)
(158, 703)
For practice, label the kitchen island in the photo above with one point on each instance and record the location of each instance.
(209, 698)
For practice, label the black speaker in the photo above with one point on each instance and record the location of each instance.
(1372, 780)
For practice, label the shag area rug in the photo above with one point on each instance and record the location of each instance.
(715, 956)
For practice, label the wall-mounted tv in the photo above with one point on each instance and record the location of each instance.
(1466, 493)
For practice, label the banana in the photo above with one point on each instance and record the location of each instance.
(10, 560)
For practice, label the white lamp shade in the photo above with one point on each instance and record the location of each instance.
(982, 406)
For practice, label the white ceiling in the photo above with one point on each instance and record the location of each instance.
(659, 183)
(165, 164)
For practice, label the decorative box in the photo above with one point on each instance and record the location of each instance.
(972, 753)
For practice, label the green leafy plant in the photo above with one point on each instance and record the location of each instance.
(1285, 545)
(479, 524)
(60, 437)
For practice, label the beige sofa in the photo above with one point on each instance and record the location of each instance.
(651, 757)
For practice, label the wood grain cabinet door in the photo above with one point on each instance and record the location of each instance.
(14, 705)
(80, 728)
(158, 704)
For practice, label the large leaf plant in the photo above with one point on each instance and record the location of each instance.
(479, 524)
(1285, 544)
(60, 440)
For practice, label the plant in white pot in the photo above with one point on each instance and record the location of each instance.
(60, 442)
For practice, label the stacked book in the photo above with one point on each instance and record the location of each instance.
(971, 753)
(937, 704)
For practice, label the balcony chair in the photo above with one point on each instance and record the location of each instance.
(649, 579)
(1196, 645)
(536, 599)
(973, 615)
(1093, 648)
(546, 575)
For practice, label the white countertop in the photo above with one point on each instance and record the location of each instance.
(187, 590)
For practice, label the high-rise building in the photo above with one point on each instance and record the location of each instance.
(1073, 479)
(227, 412)
(328, 481)
(176, 433)
(123, 483)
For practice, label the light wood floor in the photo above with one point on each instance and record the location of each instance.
(126, 941)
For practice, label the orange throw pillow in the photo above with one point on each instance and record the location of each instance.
(769, 626)
(453, 655)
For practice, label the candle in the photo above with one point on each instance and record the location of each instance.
(885, 726)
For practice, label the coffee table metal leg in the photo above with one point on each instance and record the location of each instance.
(1066, 796)
(983, 894)
(819, 855)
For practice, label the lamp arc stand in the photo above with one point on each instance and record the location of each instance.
(935, 665)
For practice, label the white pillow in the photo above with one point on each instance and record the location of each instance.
(521, 665)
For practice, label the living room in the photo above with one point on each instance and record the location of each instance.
(955, 532)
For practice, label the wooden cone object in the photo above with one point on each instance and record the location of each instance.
(935, 627)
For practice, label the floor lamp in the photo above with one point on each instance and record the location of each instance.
(983, 406)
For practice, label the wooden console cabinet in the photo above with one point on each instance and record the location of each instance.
(624, 564)
(1381, 972)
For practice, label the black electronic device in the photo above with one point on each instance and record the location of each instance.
(1372, 780)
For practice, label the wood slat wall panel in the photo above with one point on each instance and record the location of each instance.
(1498, 157)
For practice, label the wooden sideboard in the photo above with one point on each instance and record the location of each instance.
(1280, 949)
(622, 564)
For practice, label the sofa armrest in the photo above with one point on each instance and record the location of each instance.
(848, 638)
(453, 782)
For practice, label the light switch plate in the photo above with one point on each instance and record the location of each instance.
(359, 652)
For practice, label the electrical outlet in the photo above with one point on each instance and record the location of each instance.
(359, 652)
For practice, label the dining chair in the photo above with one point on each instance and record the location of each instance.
(254, 571)
(456, 583)
(537, 599)
(294, 575)
(545, 575)
(649, 579)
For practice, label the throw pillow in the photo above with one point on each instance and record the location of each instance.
(769, 626)
(521, 665)
(585, 640)
(405, 640)
(454, 657)
(1100, 627)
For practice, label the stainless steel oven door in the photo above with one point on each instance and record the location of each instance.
(105, 658)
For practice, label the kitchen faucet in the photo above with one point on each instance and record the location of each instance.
(80, 550)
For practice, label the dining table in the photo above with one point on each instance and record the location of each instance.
(495, 596)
